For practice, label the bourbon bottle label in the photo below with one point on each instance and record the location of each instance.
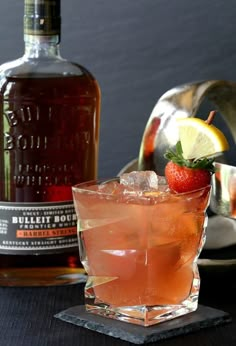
(42, 228)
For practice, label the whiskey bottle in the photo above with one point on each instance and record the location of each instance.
(49, 134)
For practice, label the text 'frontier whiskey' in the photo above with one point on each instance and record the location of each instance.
(49, 133)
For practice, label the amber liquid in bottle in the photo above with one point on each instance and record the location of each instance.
(49, 131)
(51, 144)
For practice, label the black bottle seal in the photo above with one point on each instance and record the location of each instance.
(42, 17)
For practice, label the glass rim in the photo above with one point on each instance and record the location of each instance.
(81, 187)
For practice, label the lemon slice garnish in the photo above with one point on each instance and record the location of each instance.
(199, 139)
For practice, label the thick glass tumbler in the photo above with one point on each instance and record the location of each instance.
(140, 250)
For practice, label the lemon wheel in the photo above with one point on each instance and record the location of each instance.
(200, 139)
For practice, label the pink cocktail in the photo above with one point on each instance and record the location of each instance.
(140, 250)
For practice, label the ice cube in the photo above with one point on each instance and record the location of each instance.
(110, 187)
(142, 180)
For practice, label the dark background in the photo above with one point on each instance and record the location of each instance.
(137, 49)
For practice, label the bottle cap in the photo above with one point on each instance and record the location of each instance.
(42, 17)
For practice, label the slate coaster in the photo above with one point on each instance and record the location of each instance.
(204, 317)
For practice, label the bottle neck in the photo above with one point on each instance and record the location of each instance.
(37, 46)
(42, 28)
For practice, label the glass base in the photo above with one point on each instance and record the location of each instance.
(143, 315)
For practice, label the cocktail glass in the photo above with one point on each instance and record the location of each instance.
(140, 250)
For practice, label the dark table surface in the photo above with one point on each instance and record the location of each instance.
(27, 315)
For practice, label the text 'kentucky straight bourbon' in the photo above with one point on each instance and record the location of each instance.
(49, 134)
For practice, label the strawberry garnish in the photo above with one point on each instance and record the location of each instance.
(185, 175)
